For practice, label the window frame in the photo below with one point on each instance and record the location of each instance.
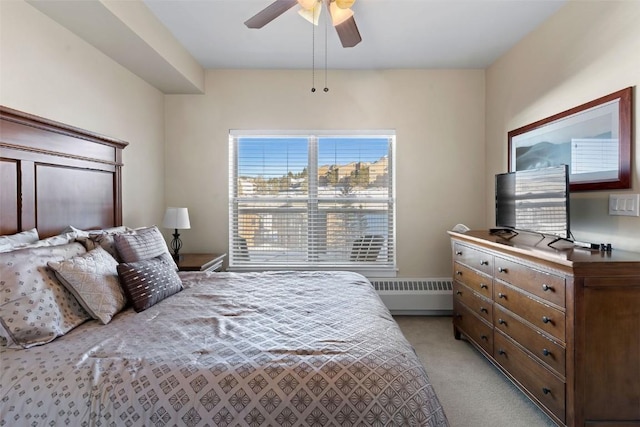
(312, 200)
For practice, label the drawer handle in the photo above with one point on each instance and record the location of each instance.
(484, 262)
(483, 286)
(546, 319)
(484, 310)
(546, 352)
(546, 390)
(458, 292)
(546, 287)
(458, 252)
(502, 322)
(501, 352)
(501, 295)
(484, 337)
(458, 272)
(502, 270)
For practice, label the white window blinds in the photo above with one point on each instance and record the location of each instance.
(316, 200)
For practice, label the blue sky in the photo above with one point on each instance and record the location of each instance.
(271, 157)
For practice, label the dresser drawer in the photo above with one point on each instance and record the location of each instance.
(473, 327)
(531, 375)
(544, 285)
(545, 317)
(481, 306)
(473, 258)
(473, 279)
(548, 351)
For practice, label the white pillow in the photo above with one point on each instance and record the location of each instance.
(60, 239)
(9, 242)
(68, 235)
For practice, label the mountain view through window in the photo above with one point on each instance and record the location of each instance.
(312, 200)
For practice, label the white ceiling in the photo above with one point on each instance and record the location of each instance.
(395, 33)
(168, 43)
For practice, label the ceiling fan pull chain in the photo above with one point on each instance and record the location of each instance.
(326, 25)
(313, 54)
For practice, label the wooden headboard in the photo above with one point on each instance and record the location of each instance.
(53, 175)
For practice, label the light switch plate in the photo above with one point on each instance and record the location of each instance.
(624, 204)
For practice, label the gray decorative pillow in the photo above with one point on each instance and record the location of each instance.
(146, 283)
(35, 307)
(142, 244)
(103, 238)
(10, 242)
(93, 279)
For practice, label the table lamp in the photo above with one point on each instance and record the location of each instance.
(178, 219)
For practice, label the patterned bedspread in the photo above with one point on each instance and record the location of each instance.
(281, 348)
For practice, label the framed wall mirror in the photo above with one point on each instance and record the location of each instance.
(594, 139)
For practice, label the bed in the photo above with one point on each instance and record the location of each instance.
(271, 348)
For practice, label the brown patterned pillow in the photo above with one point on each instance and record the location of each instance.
(146, 283)
(142, 244)
(93, 279)
(34, 307)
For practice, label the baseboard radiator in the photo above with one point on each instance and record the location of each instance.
(431, 296)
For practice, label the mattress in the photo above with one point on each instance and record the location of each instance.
(255, 349)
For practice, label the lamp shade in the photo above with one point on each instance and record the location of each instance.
(311, 15)
(344, 4)
(308, 4)
(338, 15)
(177, 218)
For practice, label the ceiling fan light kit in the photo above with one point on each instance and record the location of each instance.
(308, 4)
(339, 10)
(341, 17)
(345, 4)
(312, 15)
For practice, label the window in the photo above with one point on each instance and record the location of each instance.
(312, 200)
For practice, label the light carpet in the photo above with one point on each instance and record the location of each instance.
(472, 391)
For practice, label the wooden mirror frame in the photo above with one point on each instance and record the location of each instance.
(623, 98)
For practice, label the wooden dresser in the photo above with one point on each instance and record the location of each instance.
(562, 323)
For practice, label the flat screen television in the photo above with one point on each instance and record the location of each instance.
(535, 200)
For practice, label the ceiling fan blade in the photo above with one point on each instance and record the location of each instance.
(269, 13)
(348, 33)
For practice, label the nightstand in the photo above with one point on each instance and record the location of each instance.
(200, 262)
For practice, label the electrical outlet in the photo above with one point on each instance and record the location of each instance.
(624, 204)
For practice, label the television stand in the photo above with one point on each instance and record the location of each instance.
(558, 239)
(561, 324)
(502, 231)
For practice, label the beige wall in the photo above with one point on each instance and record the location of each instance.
(587, 50)
(438, 117)
(50, 72)
(444, 167)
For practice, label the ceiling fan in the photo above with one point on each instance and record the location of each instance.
(339, 11)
